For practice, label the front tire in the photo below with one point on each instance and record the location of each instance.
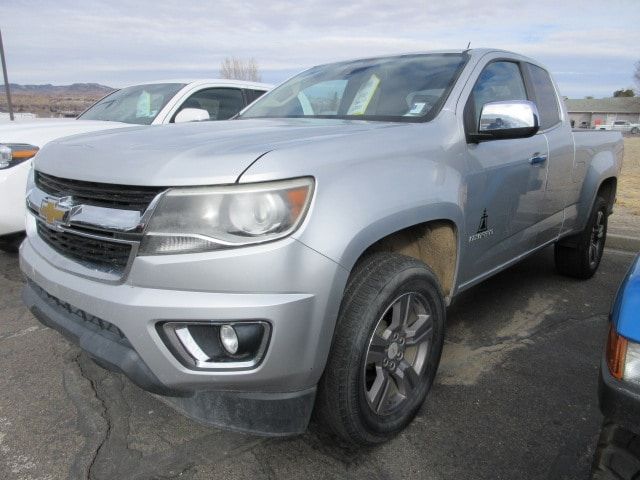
(579, 256)
(385, 352)
(618, 454)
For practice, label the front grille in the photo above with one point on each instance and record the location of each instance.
(97, 253)
(124, 197)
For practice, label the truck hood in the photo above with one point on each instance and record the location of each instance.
(39, 132)
(202, 153)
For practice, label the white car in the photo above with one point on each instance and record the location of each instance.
(622, 126)
(148, 104)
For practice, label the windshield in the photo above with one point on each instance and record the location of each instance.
(139, 104)
(402, 88)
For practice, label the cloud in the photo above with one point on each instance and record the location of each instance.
(119, 42)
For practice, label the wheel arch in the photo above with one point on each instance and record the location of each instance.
(434, 240)
(607, 190)
(602, 176)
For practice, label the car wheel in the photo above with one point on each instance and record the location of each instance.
(617, 455)
(385, 352)
(635, 130)
(579, 256)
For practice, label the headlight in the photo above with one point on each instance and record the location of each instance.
(11, 154)
(623, 357)
(198, 219)
(632, 363)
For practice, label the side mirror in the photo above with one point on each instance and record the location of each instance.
(191, 115)
(509, 119)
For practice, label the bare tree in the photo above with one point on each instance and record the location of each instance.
(238, 69)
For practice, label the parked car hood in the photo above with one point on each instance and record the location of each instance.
(39, 132)
(187, 154)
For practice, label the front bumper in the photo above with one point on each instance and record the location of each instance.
(619, 400)
(104, 342)
(287, 284)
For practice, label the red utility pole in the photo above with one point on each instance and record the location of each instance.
(6, 78)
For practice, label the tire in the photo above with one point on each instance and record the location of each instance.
(11, 243)
(579, 256)
(635, 130)
(617, 455)
(373, 349)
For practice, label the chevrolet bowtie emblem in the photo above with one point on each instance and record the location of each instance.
(55, 212)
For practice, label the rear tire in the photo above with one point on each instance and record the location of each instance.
(617, 455)
(385, 352)
(579, 256)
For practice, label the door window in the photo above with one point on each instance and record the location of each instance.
(253, 95)
(499, 81)
(545, 95)
(221, 103)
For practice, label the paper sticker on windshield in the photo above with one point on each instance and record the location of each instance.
(143, 107)
(363, 97)
(416, 109)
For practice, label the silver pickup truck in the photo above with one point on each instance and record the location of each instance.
(300, 258)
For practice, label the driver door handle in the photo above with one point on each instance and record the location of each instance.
(538, 159)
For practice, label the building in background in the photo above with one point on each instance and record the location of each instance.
(592, 112)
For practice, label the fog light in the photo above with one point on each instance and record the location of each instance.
(229, 339)
(208, 345)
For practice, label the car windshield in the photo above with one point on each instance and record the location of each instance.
(139, 104)
(407, 88)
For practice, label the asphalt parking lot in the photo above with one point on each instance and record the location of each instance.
(515, 397)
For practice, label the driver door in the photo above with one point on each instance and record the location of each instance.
(505, 184)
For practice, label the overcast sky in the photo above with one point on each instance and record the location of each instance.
(590, 46)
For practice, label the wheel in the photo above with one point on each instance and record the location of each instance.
(635, 130)
(617, 455)
(579, 256)
(385, 352)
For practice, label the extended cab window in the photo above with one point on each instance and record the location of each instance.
(221, 103)
(545, 96)
(499, 81)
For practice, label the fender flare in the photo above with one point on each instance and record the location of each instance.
(398, 221)
(603, 166)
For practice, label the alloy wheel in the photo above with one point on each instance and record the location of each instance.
(397, 354)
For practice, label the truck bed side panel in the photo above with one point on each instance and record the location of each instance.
(598, 157)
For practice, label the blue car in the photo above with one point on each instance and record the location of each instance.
(618, 453)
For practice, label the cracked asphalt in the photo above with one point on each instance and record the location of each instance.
(515, 398)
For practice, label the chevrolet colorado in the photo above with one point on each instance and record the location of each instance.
(301, 257)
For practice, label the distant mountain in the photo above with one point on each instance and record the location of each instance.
(53, 100)
(92, 89)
